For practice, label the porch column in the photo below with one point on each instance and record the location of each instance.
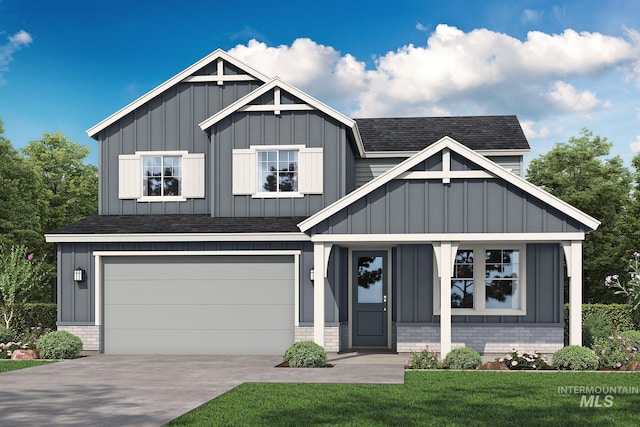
(444, 252)
(573, 257)
(321, 253)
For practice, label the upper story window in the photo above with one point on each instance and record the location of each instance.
(162, 176)
(155, 176)
(277, 171)
(486, 281)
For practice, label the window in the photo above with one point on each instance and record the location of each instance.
(169, 176)
(162, 176)
(486, 281)
(277, 171)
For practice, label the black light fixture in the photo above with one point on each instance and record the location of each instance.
(78, 275)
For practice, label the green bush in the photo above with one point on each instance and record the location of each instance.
(59, 345)
(28, 315)
(614, 351)
(524, 360)
(619, 316)
(632, 338)
(6, 335)
(595, 327)
(463, 358)
(425, 359)
(305, 354)
(575, 358)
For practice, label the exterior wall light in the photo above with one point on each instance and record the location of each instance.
(78, 275)
(312, 274)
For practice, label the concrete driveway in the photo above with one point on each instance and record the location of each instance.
(152, 390)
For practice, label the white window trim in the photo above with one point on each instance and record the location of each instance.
(479, 291)
(192, 176)
(245, 172)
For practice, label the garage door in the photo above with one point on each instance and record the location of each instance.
(198, 304)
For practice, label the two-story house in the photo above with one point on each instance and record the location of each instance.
(238, 214)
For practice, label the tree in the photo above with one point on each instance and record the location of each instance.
(22, 278)
(20, 206)
(578, 173)
(70, 186)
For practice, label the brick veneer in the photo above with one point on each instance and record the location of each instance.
(89, 334)
(484, 339)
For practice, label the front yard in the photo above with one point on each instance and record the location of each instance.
(12, 365)
(439, 398)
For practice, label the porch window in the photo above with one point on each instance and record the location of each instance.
(486, 280)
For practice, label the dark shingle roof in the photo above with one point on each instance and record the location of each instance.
(417, 133)
(142, 224)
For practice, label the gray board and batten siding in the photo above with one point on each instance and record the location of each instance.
(312, 129)
(470, 205)
(168, 122)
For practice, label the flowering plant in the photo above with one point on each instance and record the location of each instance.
(632, 287)
(7, 348)
(615, 351)
(425, 360)
(520, 360)
(31, 337)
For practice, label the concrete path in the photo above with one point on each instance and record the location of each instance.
(152, 390)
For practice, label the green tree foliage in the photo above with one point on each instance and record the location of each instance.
(22, 279)
(20, 206)
(70, 187)
(578, 173)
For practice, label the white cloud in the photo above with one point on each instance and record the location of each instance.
(635, 145)
(529, 15)
(456, 72)
(530, 131)
(15, 43)
(565, 97)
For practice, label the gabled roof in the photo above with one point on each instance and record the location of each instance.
(455, 146)
(217, 54)
(416, 133)
(277, 83)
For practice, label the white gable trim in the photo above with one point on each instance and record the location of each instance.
(185, 75)
(451, 144)
(276, 84)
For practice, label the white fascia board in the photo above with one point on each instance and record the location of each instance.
(399, 153)
(499, 153)
(447, 237)
(277, 83)
(178, 237)
(218, 53)
(197, 253)
(451, 144)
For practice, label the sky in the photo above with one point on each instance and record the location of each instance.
(560, 66)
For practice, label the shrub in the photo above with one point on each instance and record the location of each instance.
(524, 360)
(632, 338)
(595, 327)
(614, 351)
(575, 358)
(463, 358)
(59, 345)
(27, 315)
(619, 316)
(33, 335)
(425, 360)
(305, 354)
(6, 335)
(7, 348)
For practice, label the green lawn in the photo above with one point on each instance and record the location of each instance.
(12, 365)
(439, 398)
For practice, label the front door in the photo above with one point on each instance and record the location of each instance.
(369, 284)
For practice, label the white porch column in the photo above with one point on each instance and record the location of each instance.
(444, 252)
(321, 253)
(573, 257)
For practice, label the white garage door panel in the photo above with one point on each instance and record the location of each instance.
(199, 317)
(198, 304)
(198, 291)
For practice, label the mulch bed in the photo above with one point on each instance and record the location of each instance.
(286, 365)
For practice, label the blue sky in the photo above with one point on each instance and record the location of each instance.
(559, 65)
